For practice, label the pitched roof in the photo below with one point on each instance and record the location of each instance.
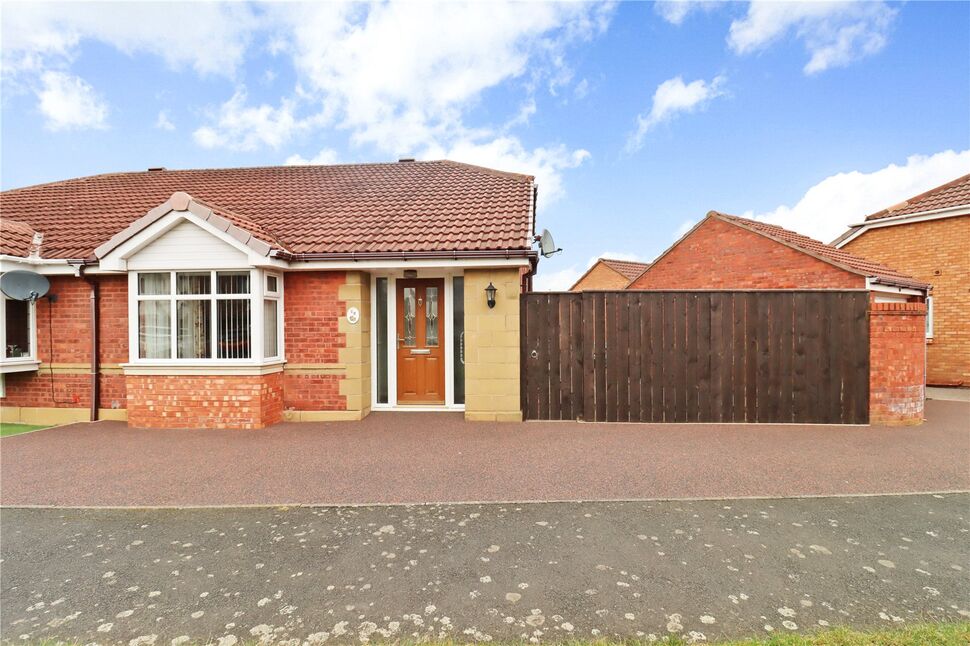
(949, 195)
(386, 207)
(825, 252)
(628, 268)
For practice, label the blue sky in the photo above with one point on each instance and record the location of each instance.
(636, 118)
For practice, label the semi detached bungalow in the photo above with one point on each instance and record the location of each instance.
(242, 297)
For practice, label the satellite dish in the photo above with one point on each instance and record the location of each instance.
(547, 246)
(24, 285)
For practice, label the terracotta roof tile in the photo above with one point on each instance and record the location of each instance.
(827, 252)
(15, 237)
(949, 195)
(628, 268)
(401, 206)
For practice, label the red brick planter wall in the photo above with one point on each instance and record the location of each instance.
(204, 401)
(897, 360)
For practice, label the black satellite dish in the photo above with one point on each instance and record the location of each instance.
(24, 285)
(547, 246)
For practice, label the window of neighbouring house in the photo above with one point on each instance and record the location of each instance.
(208, 315)
(929, 317)
(18, 334)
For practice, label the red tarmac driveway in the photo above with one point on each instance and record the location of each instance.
(433, 457)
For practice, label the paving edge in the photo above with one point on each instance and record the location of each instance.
(565, 501)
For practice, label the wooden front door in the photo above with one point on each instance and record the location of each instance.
(421, 341)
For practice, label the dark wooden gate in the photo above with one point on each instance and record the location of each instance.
(696, 356)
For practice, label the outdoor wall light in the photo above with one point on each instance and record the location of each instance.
(490, 294)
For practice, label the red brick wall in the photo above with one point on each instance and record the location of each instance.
(718, 255)
(196, 401)
(897, 355)
(70, 321)
(312, 314)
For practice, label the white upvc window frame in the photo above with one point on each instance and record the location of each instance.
(277, 296)
(18, 364)
(257, 294)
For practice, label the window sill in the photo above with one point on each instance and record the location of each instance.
(202, 368)
(8, 366)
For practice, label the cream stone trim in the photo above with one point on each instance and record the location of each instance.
(323, 415)
(210, 370)
(339, 369)
(80, 368)
(41, 416)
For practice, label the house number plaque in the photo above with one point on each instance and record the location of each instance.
(353, 315)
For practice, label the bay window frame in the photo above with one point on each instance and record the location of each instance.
(256, 296)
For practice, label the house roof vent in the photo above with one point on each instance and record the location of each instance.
(154, 169)
(406, 159)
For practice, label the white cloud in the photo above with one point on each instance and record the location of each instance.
(508, 153)
(401, 77)
(325, 157)
(238, 126)
(563, 279)
(829, 207)
(163, 122)
(69, 103)
(210, 37)
(676, 11)
(674, 97)
(834, 33)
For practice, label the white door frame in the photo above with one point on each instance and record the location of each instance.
(392, 277)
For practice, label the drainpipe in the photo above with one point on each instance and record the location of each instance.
(95, 369)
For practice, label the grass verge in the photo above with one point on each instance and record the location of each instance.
(16, 429)
(943, 634)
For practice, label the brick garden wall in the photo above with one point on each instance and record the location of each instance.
(718, 255)
(197, 401)
(897, 352)
(935, 251)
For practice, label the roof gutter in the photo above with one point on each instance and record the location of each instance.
(506, 254)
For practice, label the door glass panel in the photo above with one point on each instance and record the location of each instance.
(431, 316)
(458, 336)
(409, 316)
(381, 340)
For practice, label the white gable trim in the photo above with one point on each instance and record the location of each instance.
(911, 218)
(117, 258)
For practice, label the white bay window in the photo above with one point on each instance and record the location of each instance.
(217, 316)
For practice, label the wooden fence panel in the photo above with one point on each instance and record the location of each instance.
(696, 356)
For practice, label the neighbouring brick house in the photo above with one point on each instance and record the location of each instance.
(928, 236)
(608, 273)
(731, 253)
(242, 297)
